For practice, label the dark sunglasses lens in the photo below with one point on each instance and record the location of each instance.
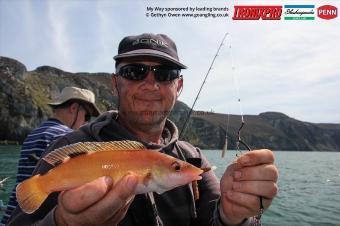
(87, 117)
(87, 112)
(166, 74)
(138, 72)
(135, 72)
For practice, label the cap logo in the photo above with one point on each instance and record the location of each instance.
(150, 41)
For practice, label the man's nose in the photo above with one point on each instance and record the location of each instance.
(150, 80)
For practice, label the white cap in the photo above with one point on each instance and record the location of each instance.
(74, 93)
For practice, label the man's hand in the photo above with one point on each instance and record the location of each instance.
(96, 203)
(252, 175)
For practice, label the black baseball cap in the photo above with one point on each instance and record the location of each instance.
(147, 44)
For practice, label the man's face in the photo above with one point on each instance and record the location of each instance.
(146, 102)
(77, 115)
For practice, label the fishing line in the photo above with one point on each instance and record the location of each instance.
(256, 219)
(238, 96)
(236, 85)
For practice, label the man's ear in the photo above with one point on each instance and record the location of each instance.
(73, 107)
(114, 84)
(179, 87)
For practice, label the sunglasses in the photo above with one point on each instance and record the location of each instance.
(88, 115)
(138, 72)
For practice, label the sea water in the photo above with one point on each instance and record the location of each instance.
(309, 185)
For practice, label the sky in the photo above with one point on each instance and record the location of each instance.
(285, 66)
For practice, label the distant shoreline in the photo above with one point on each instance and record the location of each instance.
(10, 142)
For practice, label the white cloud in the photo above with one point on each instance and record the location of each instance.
(61, 48)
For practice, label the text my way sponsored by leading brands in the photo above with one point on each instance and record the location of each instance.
(194, 12)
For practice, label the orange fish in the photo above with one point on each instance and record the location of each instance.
(81, 163)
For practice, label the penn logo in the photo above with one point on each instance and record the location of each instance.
(257, 12)
(327, 12)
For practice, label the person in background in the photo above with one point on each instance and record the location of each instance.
(71, 109)
(148, 82)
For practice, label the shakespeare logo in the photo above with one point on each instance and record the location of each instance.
(257, 12)
(299, 12)
(327, 12)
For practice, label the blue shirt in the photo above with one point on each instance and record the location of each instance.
(35, 144)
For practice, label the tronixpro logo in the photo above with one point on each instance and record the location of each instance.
(257, 12)
(327, 12)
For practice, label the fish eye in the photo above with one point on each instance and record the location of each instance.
(176, 166)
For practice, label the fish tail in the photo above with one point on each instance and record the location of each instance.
(30, 194)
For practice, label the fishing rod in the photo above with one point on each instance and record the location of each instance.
(194, 184)
(239, 140)
(200, 90)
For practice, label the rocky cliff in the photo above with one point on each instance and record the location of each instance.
(278, 131)
(24, 96)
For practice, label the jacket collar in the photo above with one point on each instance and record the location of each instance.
(106, 128)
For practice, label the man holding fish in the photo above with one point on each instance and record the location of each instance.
(128, 167)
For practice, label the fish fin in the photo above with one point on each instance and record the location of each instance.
(147, 179)
(30, 195)
(59, 155)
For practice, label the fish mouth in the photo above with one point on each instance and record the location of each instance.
(198, 177)
(193, 173)
(200, 171)
(198, 174)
